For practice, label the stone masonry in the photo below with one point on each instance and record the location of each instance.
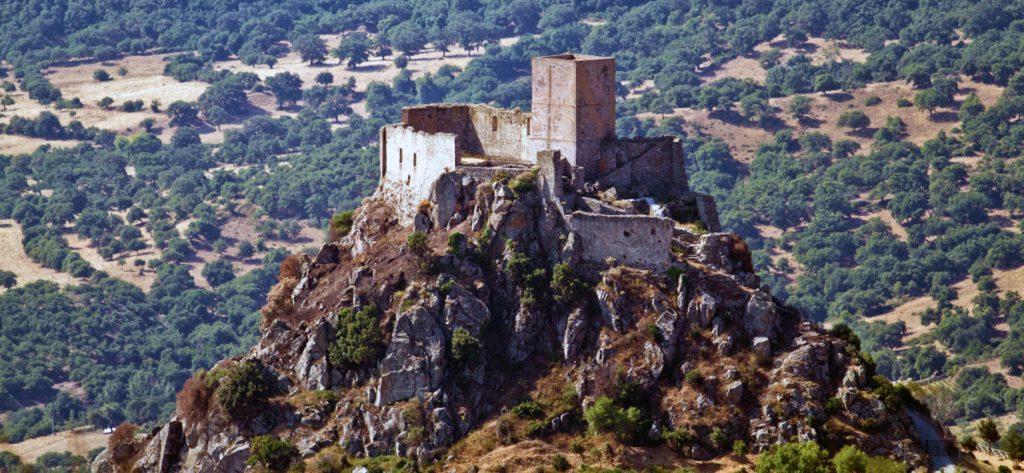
(611, 192)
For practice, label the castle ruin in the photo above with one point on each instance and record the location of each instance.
(622, 198)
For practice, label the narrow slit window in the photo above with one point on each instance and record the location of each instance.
(527, 126)
(494, 123)
(400, 153)
(414, 160)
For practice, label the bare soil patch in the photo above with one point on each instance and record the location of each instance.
(14, 259)
(819, 50)
(78, 443)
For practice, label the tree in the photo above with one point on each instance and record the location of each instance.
(1013, 444)
(324, 78)
(7, 101)
(101, 75)
(105, 102)
(8, 279)
(927, 99)
(800, 107)
(917, 74)
(803, 457)
(355, 48)
(408, 38)
(970, 108)
(853, 119)
(218, 272)
(286, 86)
(402, 61)
(311, 48)
(245, 249)
(359, 339)
(147, 124)
(988, 430)
(824, 83)
(183, 113)
(755, 108)
(272, 453)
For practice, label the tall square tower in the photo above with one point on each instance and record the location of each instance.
(573, 107)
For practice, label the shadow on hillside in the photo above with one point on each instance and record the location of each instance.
(810, 122)
(866, 133)
(838, 96)
(944, 117)
(369, 68)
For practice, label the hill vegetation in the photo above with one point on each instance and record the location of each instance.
(951, 200)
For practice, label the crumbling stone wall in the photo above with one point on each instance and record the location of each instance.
(635, 240)
(482, 131)
(643, 166)
(411, 161)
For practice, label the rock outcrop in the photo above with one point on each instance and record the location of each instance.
(481, 321)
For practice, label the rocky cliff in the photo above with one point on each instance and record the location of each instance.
(449, 347)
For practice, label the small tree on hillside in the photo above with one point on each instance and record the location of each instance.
(311, 48)
(928, 99)
(853, 119)
(101, 75)
(800, 107)
(324, 78)
(988, 430)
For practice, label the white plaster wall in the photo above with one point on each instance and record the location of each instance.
(411, 162)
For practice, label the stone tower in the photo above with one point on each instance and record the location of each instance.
(573, 107)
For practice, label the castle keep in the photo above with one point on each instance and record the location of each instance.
(620, 198)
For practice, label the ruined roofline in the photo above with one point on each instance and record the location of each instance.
(447, 107)
(577, 57)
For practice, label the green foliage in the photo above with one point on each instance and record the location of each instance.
(988, 430)
(456, 243)
(417, 243)
(606, 417)
(101, 75)
(8, 279)
(566, 288)
(718, 437)
(560, 463)
(244, 385)
(341, 225)
(739, 448)
(872, 101)
(465, 347)
(359, 340)
(803, 457)
(694, 378)
(524, 182)
(853, 119)
(528, 409)
(271, 452)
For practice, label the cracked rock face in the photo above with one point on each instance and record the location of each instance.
(415, 359)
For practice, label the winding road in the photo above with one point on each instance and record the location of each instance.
(938, 458)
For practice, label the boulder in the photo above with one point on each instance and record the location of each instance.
(702, 308)
(421, 222)
(571, 250)
(713, 250)
(734, 392)
(761, 346)
(311, 368)
(463, 310)
(575, 334)
(761, 318)
(415, 359)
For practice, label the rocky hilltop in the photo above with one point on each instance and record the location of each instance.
(442, 345)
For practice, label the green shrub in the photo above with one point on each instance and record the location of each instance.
(524, 182)
(417, 243)
(872, 101)
(535, 429)
(528, 410)
(606, 417)
(678, 440)
(739, 448)
(465, 347)
(833, 405)
(271, 452)
(718, 437)
(359, 339)
(673, 273)
(904, 103)
(456, 243)
(654, 331)
(560, 463)
(518, 267)
(802, 457)
(565, 286)
(694, 378)
(341, 225)
(244, 385)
